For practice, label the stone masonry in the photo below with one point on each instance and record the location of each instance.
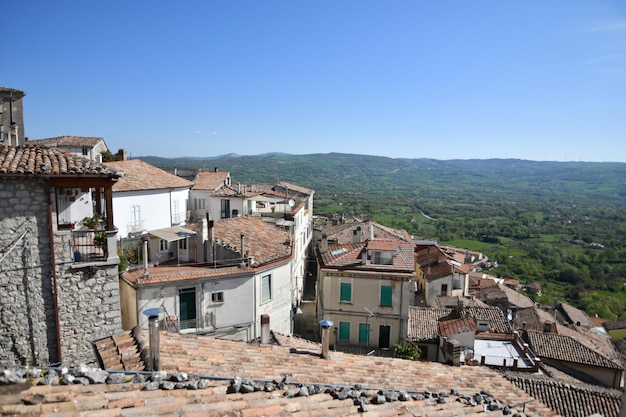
(88, 298)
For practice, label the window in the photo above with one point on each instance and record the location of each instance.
(85, 151)
(163, 246)
(225, 212)
(182, 244)
(444, 290)
(198, 203)
(344, 330)
(135, 214)
(266, 288)
(363, 332)
(217, 297)
(345, 292)
(385, 295)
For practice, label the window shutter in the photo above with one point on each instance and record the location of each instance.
(385, 295)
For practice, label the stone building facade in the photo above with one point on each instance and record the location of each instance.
(51, 305)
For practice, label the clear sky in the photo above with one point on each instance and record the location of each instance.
(531, 79)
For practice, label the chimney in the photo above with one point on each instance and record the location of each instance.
(548, 327)
(364, 256)
(146, 274)
(371, 231)
(324, 244)
(356, 235)
(122, 155)
(265, 329)
(326, 325)
(153, 336)
(243, 252)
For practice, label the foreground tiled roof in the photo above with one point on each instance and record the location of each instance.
(68, 141)
(565, 348)
(210, 180)
(45, 161)
(221, 358)
(139, 176)
(569, 399)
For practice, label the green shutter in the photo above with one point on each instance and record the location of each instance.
(363, 332)
(385, 295)
(345, 293)
(344, 330)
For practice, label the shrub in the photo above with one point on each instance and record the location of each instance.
(407, 350)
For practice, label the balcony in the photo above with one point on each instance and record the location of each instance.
(137, 226)
(91, 246)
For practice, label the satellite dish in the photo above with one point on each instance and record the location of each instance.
(291, 203)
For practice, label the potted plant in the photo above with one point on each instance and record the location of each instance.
(100, 241)
(94, 221)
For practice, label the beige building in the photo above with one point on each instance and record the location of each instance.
(365, 289)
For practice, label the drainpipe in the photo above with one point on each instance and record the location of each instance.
(54, 279)
(153, 335)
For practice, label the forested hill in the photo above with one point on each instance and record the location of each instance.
(573, 182)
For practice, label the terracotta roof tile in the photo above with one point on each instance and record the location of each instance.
(68, 141)
(437, 387)
(342, 233)
(350, 256)
(457, 326)
(45, 161)
(565, 348)
(210, 180)
(569, 399)
(139, 176)
(424, 322)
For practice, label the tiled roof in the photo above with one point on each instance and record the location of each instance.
(350, 256)
(262, 240)
(424, 322)
(569, 399)
(457, 326)
(293, 187)
(342, 233)
(44, 161)
(68, 141)
(11, 92)
(615, 325)
(243, 190)
(210, 180)
(382, 244)
(435, 390)
(437, 270)
(140, 176)
(565, 348)
(573, 315)
(498, 323)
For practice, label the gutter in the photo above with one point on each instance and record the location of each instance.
(54, 280)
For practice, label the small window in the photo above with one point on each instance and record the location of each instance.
(182, 244)
(386, 292)
(85, 151)
(217, 297)
(344, 330)
(163, 246)
(345, 292)
(266, 288)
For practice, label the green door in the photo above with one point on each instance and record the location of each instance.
(187, 303)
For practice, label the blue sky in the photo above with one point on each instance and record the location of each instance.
(538, 80)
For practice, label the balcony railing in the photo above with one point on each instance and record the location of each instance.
(137, 227)
(93, 245)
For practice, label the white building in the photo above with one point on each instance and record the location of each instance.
(147, 198)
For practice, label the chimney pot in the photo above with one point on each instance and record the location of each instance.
(265, 329)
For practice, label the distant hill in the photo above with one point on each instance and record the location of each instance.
(574, 182)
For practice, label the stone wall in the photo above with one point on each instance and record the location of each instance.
(88, 295)
(27, 335)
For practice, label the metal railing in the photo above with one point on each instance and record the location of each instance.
(90, 245)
